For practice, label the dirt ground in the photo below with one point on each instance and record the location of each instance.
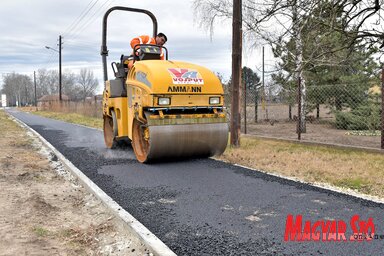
(273, 122)
(44, 211)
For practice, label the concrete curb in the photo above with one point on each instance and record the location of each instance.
(154, 244)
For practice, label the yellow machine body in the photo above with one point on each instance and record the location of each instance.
(167, 109)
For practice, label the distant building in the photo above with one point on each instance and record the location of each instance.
(94, 99)
(47, 101)
(3, 100)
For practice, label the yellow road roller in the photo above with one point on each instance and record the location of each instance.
(165, 108)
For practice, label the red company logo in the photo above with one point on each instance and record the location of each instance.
(185, 76)
(329, 230)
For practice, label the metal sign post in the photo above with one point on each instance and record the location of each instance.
(382, 108)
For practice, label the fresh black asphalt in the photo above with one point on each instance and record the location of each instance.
(206, 207)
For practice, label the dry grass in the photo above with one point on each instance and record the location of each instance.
(86, 108)
(13, 130)
(87, 236)
(84, 113)
(355, 169)
(72, 118)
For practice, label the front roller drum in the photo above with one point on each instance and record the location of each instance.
(140, 141)
(176, 141)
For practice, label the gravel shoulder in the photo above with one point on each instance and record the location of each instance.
(45, 211)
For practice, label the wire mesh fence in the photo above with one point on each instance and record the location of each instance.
(345, 114)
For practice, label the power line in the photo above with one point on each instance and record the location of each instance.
(85, 19)
(89, 14)
(51, 58)
(91, 19)
(82, 17)
(77, 19)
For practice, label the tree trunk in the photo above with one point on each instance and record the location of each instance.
(290, 112)
(299, 64)
(256, 105)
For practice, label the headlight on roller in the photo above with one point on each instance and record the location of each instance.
(214, 100)
(163, 101)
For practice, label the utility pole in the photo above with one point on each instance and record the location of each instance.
(236, 72)
(60, 45)
(60, 76)
(382, 108)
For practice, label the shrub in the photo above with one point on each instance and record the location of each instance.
(364, 117)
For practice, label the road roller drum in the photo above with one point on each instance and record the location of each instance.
(183, 140)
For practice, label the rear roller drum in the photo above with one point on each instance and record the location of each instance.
(140, 141)
(110, 131)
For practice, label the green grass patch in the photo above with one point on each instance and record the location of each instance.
(40, 231)
(354, 183)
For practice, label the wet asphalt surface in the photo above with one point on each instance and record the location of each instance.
(206, 207)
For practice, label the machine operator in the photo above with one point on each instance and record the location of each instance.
(159, 40)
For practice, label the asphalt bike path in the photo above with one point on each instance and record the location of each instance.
(207, 207)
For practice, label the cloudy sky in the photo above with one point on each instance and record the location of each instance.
(28, 26)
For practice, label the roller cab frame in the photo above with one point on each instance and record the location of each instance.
(165, 109)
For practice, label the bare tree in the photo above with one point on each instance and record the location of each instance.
(86, 83)
(70, 89)
(366, 17)
(18, 88)
(271, 20)
(47, 83)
